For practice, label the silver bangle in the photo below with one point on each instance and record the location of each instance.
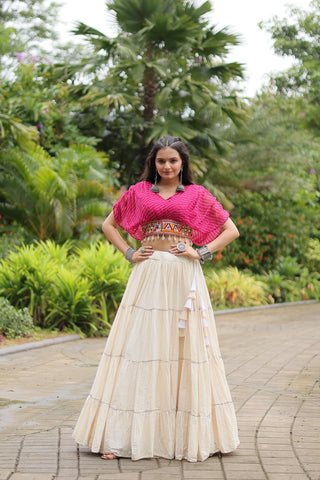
(204, 253)
(128, 254)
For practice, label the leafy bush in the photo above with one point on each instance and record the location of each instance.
(12, 235)
(27, 277)
(312, 255)
(13, 322)
(63, 288)
(270, 227)
(107, 273)
(70, 304)
(232, 288)
(291, 282)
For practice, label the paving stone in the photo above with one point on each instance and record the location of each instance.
(4, 474)
(211, 463)
(121, 476)
(144, 464)
(271, 363)
(161, 474)
(287, 476)
(31, 476)
(203, 474)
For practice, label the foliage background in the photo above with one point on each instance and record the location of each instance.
(76, 122)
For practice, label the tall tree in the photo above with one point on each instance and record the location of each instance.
(164, 73)
(298, 36)
(30, 22)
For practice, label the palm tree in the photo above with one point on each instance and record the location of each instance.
(54, 197)
(164, 73)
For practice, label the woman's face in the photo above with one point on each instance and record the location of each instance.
(168, 163)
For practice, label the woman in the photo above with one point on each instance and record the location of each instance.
(160, 389)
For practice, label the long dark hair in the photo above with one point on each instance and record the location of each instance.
(149, 171)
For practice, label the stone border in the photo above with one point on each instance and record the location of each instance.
(41, 343)
(261, 307)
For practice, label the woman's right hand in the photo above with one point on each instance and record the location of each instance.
(143, 253)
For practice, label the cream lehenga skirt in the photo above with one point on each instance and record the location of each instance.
(160, 389)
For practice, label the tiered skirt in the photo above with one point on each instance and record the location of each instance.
(160, 388)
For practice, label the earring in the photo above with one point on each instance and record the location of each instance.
(180, 187)
(155, 188)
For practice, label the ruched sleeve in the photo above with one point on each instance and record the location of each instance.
(127, 213)
(208, 216)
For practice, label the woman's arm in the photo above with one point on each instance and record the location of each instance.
(229, 232)
(110, 229)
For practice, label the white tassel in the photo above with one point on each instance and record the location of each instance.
(206, 341)
(193, 286)
(188, 304)
(204, 322)
(182, 323)
(202, 305)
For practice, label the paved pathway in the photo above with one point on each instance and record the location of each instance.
(273, 365)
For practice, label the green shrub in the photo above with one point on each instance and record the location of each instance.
(71, 306)
(231, 288)
(13, 322)
(277, 286)
(12, 236)
(291, 282)
(76, 289)
(26, 279)
(107, 273)
(270, 227)
(312, 255)
(305, 287)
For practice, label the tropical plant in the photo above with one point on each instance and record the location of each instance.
(65, 287)
(277, 286)
(231, 288)
(312, 255)
(164, 73)
(271, 226)
(26, 280)
(57, 197)
(107, 273)
(274, 151)
(70, 303)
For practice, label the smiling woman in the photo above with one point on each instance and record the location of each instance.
(161, 389)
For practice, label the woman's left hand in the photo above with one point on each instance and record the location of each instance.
(189, 252)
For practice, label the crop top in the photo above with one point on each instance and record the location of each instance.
(195, 207)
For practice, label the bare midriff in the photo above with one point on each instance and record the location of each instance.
(164, 244)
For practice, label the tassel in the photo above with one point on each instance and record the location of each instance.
(188, 304)
(202, 305)
(206, 341)
(204, 322)
(182, 323)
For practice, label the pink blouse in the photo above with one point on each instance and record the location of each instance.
(195, 207)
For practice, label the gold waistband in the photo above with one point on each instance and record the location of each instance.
(166, 227)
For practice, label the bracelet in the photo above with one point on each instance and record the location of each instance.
(128, 254)
(204, 253)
